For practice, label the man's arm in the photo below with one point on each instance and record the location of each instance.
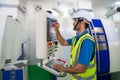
(79, 68)
(58, 35)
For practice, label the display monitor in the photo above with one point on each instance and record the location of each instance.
(50, 29)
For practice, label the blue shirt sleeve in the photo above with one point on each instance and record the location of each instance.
(69, 41)
(86, 52)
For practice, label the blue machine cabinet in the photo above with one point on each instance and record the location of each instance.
(12, 74)
(102, 55)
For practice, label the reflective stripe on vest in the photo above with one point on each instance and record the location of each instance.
(93, 77)
(91, 69)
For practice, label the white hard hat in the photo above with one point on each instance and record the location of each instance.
(82, 13)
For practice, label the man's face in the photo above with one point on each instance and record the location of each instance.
(76, 24)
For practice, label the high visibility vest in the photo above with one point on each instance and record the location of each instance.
(90, 73)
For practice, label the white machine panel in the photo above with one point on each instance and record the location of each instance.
(46, 42)
(2, 27)
(10, 40)
(114, 44)
(41, 43)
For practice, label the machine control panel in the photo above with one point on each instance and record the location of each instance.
(52, 47)
(47, 43)
(55, 61)
(48, 65)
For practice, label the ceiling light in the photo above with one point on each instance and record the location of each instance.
(117, 3)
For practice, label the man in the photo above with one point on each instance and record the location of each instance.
(82, 62)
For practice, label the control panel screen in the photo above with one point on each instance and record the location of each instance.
(50, 30)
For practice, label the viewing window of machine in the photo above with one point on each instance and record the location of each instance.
(99, 30)
(102, 46)
(101, 38)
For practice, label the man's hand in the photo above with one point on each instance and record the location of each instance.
(56, 25)
(62, 41)
(78, 68)
(59, 67)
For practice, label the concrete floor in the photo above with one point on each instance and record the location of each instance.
(115, 76)
(112, 76)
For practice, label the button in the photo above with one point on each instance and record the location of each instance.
(49, 43)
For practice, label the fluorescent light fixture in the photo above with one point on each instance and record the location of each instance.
(117, 3)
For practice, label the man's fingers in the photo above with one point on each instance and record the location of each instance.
(56, 24)
(55, 65)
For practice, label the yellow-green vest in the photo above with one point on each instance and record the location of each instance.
(90, 73)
